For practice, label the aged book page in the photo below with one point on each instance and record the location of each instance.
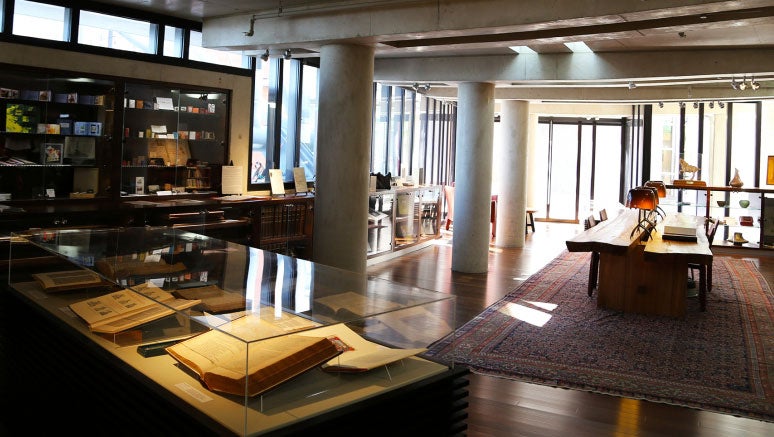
(68, 280)
(223, 361)
(118, 267)
(214, 299)
(124, 309)
(351, 304)
(359, 355)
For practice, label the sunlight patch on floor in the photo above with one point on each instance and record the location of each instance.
(530, 315)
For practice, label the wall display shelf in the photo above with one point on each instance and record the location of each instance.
(174, 140)
(402, 217)
(55, 135)
(248, 300)
(747, 213)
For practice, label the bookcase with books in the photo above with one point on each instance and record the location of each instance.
(274, 344)
(174, 140)
(54, 135)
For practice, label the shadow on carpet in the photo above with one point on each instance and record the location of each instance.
(549, 331)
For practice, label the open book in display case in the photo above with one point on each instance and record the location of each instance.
(253, 341)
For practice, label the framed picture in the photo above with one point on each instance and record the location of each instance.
(52, 153)
(770, 171)
(79, 151)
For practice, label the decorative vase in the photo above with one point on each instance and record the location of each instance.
(736, 182)
(744, 203)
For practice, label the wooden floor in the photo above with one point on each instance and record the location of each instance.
(500, 407)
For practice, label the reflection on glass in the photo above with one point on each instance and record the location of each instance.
(114, 32)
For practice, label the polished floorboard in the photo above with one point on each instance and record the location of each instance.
(501, 407)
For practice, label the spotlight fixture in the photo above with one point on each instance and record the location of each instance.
(265, 55)
(695, 105)
(722, 105)
(755, 85)
(426, 87)
(734, 84)
(711, 105)
(682, 104)
(287, 54)
(743, 85)
(660, 104)
(632, 85)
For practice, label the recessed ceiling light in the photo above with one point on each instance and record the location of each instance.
(578, 47)
(522, 49)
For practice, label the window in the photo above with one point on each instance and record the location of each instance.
(284, 120)
(118, 33)
(198, 53)
(39, 20)
(173, 42)
(308, 135)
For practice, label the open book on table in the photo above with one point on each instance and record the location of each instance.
(254, 364)
(350, 305)
(68, 280)
(360, 355)
(254, 346)
(124, 309)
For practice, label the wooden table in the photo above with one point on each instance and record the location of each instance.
(643, 277)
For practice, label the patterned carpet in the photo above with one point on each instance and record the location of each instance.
(549, 331)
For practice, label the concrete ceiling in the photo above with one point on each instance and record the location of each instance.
(643, 50)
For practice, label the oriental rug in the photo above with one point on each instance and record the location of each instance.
(549, 331)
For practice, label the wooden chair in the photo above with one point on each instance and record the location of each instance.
(603, 215)
(712, 228)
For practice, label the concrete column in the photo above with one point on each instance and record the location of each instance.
(511, 166)
(473, 177)
(343, 156)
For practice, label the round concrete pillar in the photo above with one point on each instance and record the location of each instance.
(473, 177)
(511, 166)
(343, 156)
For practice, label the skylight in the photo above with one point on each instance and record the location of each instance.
(578, 47)
(522, 49)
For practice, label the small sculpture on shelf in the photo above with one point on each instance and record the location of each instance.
(736, 181)
(688, 168)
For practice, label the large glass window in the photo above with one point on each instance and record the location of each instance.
(308, 134)
(39, 20)
(118, 33)
(380, 124)
(264, 107)
(284, 120)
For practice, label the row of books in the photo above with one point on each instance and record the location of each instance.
(48, 96)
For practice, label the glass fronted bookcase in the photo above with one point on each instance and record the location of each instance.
(55, 135)
(174, 140)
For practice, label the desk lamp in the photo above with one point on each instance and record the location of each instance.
(660, 193)
(645, 200)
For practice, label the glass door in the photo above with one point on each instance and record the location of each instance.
(581, 161)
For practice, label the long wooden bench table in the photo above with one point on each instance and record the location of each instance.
(646, 277)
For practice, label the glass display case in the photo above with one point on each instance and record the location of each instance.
(54, 135)
(745, 213)
(174, 140)
(268, 340)
(402, 217)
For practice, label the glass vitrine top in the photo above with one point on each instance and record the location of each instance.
(234, 281)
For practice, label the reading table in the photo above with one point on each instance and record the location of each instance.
(640, 273)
